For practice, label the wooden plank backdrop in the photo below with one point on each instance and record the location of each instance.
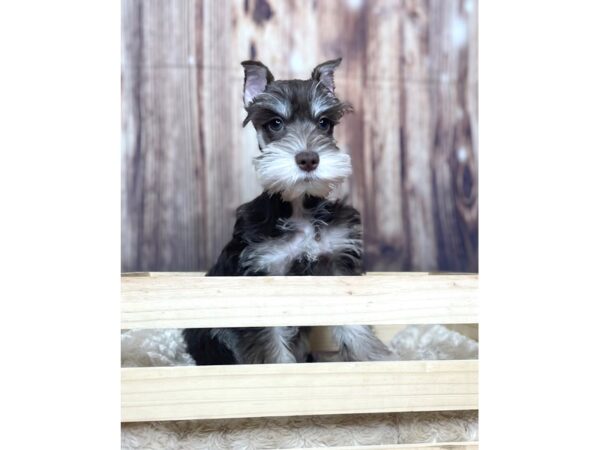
(410, 69)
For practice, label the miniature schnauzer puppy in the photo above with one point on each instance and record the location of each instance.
(292, 228)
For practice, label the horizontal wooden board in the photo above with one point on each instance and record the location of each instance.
(426, 445)
(210, 392)
(192, 301)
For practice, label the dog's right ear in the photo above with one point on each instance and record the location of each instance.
(323, 73)
(256, 78)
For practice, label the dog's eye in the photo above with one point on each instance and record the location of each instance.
(275, 124)
(324, 124)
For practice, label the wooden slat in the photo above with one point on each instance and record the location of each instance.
(209, 392)
(453, 148)
(204, 302)
(417, 137)
(381, 144)
(427, 445)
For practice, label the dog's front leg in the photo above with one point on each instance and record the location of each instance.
(359, 343)
(268, 345)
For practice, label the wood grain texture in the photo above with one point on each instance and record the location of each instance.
(381, 112)
(161, 198)
(204, 302)
(453, 149)
(416, 136)
(410, 69)
(210, 392)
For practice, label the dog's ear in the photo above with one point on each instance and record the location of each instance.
(256, 78)
(324, 73)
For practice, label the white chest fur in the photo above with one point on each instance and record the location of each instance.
(304, 241)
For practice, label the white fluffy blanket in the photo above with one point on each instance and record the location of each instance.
(166, 348)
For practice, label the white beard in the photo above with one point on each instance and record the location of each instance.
(278, 172)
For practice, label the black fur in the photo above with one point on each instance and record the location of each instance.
(205, 349)
(257, 220)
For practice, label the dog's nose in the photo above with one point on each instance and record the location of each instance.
(307, 161)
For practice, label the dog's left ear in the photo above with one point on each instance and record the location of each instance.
(324, 73)
(256, 78)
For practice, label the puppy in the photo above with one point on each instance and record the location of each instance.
(292, 228)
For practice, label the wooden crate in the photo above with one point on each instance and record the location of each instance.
(386, 300)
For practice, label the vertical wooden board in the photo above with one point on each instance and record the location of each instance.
(468, 205)
(199, 183)
(219, 126)
(160, 164)
(466, 174)
(132, 188)
(453, 164)
(471, 8)
(381, 110)
(416, 137)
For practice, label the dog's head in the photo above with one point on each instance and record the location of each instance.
(294, 121)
